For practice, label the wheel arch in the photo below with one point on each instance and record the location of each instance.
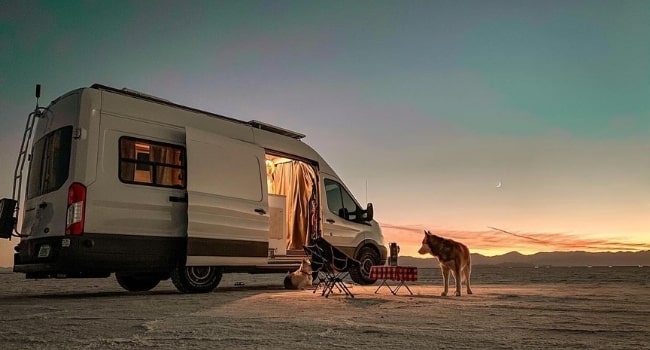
(379, 249)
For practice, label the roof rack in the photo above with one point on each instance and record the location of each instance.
(140, 93)
(276, 129)
(253, 123)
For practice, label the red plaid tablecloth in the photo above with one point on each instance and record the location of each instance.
(394, 273)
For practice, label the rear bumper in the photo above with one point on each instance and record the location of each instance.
(96, 255)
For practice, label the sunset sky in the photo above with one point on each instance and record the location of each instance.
(422, 107)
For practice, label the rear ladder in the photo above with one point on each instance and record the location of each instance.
(9, 206)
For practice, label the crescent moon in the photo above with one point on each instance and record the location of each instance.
(499, 184)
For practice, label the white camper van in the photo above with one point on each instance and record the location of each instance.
(126, 183)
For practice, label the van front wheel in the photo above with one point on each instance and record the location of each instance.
(368, 257)
(196, 279)
(135, 283)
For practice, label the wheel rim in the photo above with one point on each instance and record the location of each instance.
(365, 267)
(200, 274)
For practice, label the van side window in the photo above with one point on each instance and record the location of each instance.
(339, 201)
(50, 162)
(151, 163)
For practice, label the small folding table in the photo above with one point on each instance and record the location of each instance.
(401, 274)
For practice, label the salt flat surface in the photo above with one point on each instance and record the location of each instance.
(97, 314)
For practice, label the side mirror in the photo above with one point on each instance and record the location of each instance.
(370, 212)
(7, 217)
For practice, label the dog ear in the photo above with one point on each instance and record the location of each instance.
(426, 232)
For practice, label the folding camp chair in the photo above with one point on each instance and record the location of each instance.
(317, 264)
(334, 265)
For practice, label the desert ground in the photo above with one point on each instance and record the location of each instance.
(571, 309)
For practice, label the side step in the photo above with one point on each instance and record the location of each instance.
(286, 260)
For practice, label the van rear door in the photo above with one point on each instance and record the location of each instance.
(45, 206)
(51, 170)
(228, 220)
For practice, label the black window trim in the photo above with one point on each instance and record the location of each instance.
(183, 167)
(341, 188)
(41, 190)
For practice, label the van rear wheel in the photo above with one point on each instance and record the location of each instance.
(196, 279)
(368, 257)
(137, 283)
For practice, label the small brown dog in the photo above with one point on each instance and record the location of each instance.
(301, 278)
(453, 257)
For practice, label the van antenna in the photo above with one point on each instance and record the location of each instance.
(38, 93)
(366, 191)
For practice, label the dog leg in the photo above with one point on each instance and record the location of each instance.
(445, 277)
(457, 277)
(468, 273)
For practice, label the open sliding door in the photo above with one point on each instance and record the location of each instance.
(228, 220)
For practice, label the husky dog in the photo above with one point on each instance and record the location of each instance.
(301, 278)
(453, 257)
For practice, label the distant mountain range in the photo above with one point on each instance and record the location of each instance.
(546, 259)
(538, 259)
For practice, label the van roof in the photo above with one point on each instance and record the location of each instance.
(253, 123)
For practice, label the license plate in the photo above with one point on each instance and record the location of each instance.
(44, 251)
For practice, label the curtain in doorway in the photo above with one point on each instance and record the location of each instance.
(297, 181)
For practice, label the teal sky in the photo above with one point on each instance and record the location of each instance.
(430, 103)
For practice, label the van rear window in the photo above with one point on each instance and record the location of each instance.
(50, 162)
(151, 163)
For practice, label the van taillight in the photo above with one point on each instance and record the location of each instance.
(76, 208)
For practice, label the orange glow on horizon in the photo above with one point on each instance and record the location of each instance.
(495, 241)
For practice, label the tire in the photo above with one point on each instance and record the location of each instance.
(368, 257)
(137, 283)
(196, 279)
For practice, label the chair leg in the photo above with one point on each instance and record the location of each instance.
(337, 281)
(320, 281)
(345, 289)
(329, 287)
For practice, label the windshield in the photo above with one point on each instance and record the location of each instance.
(50, 162)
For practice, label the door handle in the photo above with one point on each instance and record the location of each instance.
(330, 221)
(178, 199)
(260, 211)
